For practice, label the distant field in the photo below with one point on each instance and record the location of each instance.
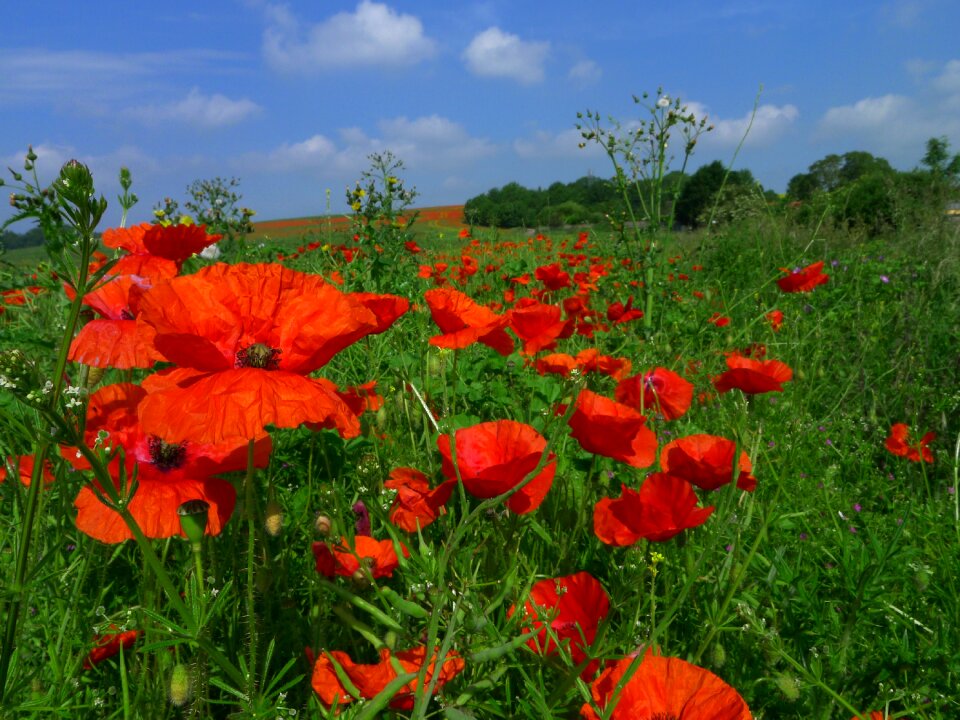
(442, 215)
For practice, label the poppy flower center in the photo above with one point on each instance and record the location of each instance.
(260, 356)
(125, 314)
(166, 456)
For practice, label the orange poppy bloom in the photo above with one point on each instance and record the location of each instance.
(606, 427)
(22, 467)
(572, 607)
(245, 337)
(775, 318)
(664, 506)
(369, 680)
(107, 645)
(803, 280)
(493, 457)
(661, 390)
(552, 276)
(618, 313)
(898, 442)
(538, 325)
(168, 474)
(416, 505)
(464, 322)
(377, 556)
(753, 376)
(665, 687)
(707, 462)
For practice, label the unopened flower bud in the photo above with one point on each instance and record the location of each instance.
(181, 689)
(273, 518)
(323, 525)
(193, 519)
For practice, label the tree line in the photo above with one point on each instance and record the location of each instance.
(855, 188)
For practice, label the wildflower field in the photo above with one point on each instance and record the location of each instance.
(370, 472)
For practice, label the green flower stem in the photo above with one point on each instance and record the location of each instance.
(250, 511)
(12, 608)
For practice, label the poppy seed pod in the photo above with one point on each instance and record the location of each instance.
(323, 525)
(193, 519)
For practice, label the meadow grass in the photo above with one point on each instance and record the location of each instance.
(830, 590)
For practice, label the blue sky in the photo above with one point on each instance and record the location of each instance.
(293, 97)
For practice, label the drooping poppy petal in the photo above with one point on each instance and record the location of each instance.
(22, 467)
(185, 404)
(377, 556)
(121, 344)
(753, 376)
(608, 428)
(494, 457)
(464, 322)
(154, 506)
(658, 390)
(663, 507)
(707, 462)
(664, 687)
(416, 505)
(369, 680)
(803, 280)
(572, 606)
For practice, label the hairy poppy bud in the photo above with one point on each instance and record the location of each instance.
(323, 525)
(273, 518)
(193, 519)
(181, 689)
(788, 686)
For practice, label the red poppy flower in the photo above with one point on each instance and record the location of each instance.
(572, 607)
(664, 506)
(22, 467)
(416, 505)
(618, 313)
(168, 474)
(377, 556)
(803, 280)
(538, 325)
(608, 428)
(898, 442)
(107, 645)
(171, 242)
(753, 376)
(464, 322)
(552, 276)
(873, 715)
(664, 687)
(556, 364)
(245, 337)
(590, 360)
(707, 462)
(661, 390)
(775, 318)
(494, 457)
(370, 680)
(718, 320)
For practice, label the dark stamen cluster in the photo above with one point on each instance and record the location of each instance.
(259, 356)
(166, 456)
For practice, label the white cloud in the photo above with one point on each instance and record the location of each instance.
(769, 123)
(897, 126)
(564, 144)
(310, 152)
(197, 109)
(374, 34)
(494, 53)
(869, 113)
(428, 142)
(585, 72)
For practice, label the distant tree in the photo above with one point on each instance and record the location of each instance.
(700, 191)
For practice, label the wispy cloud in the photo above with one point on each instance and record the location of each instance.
(495, 53)
(197, 109)
(372, 35)
(32, 75)
(584, 73)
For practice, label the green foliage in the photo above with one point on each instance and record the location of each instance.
(700, 192)
(214, 203)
